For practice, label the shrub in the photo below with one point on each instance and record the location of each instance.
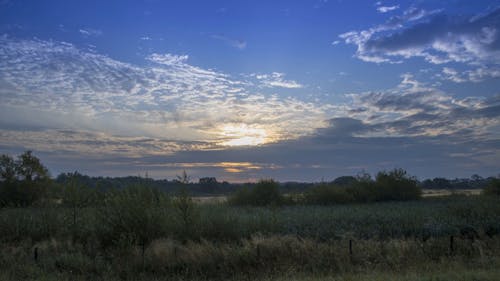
(396, 185)
(264, 193)
(493, 188)
(326, 194)
(137, 213)
(185, 214)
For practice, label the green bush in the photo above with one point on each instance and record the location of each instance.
(326, 194)
(396, 185)
(137, 213)
(493, 188)
(186, 215)
(264, 193)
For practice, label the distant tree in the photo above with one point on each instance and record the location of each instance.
(208, 184)
(441, 183)
(208, 181)
(476, 178)
(363, 176)
(183, 178)
(344, 180)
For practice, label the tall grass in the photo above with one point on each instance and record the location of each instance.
(140, 233)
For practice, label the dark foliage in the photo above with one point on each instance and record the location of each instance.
(493, 188)
(264, 193)
(24, 181)
(394, 185)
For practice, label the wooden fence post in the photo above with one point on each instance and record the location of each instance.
(350, 247)
(451, 245)
(35, 254)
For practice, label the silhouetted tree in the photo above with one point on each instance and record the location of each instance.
(7, 168)
(30, 168)
(24, 181)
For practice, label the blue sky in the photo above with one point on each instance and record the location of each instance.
(241, 90)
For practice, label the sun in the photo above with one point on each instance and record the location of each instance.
(243, 135)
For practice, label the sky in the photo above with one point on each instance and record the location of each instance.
(296, 90)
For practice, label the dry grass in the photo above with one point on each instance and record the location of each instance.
(448, 192)
(210, 199)
(425, 193)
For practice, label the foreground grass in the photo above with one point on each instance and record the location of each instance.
(450, 271)
(130, 241)
(258, 258)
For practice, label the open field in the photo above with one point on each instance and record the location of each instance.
(209, 199)
(447, 192)
(378, 241)
(425, 193)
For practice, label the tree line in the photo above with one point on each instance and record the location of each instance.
(26, 181)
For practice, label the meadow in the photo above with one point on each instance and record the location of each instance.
(135, 238)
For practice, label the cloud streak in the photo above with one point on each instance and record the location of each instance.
(236, 43)
(386, 9)
(90, 32)
(276, 80)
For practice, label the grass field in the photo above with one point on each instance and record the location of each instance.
(376, 241)
(447, 192)
(425, 193)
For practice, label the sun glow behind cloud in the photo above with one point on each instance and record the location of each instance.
(244, 135)
(166, 101)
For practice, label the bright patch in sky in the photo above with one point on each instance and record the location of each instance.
(242, 134)
(294, 90)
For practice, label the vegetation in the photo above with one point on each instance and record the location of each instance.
(394, 185)
(360, 228)
(493, 188)
(24, 181)
(264, 193)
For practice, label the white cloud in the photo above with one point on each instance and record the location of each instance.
(90, 32)
(385, 9)
(453, 75)
(276, 79)
(476, 75)
(168, 59)
(413, 109)
(436, 37)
